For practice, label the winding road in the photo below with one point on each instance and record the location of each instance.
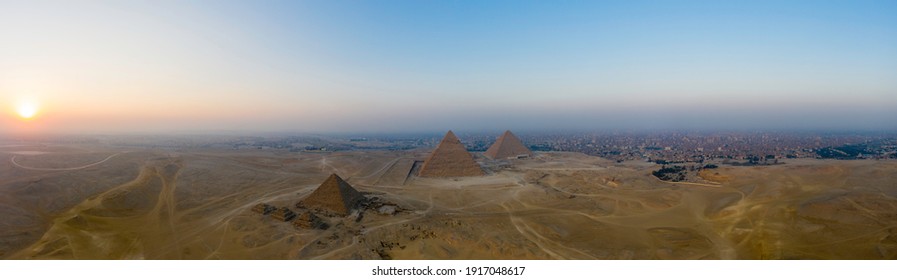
(13, 160)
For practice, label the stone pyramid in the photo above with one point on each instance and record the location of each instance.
(307, 220)
(507, 146)
(334, 195)
(283, 214)
(450, 159)
(263, 208)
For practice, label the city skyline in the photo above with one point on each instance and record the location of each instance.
(405, 66)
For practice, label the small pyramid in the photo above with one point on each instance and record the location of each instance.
(263, 208)
(450, 159)
(284, 214)
(307, 220)
(507, 146)
(334, 195)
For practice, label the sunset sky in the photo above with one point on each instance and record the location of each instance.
(407, 66)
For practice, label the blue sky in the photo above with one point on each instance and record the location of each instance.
(466, 65)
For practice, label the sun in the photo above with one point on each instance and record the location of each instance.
(27, 110)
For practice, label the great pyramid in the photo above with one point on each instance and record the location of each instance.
(450, 159)
(507, 146)
(334, 195)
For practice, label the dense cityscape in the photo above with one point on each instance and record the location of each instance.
(661, 147)
(696, 146)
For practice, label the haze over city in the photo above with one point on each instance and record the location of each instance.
(410, 66)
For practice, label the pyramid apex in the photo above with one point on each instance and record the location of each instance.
(450, 136)
(333, 176)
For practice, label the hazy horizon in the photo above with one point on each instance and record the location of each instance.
(410, 66)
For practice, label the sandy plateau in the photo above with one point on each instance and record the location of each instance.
(101, 203)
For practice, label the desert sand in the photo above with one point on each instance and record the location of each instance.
(59, 202)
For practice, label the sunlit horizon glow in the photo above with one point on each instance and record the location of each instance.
(405, 66)
(27, 109)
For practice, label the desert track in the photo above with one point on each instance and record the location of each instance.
(13, 160)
